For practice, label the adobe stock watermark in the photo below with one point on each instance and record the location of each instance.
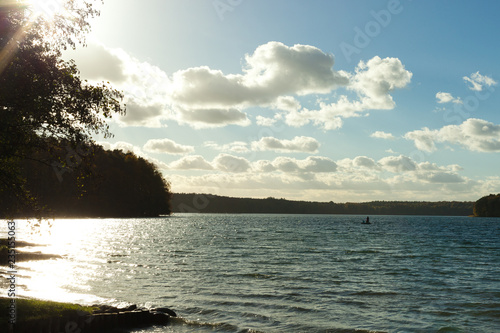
(373, 28)
(12, 272)
(47, 8)
(223, 6)
(73, 159)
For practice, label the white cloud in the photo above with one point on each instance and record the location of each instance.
(193, 162)
(142, 115)
(372, 81)
(233, 164)
(479, 81)
(235, 147)
(209, 118)
(144, 86)
(110, 66)
(423, 139)
(286, 164)
(375, 79)
(312, 164)
(287, 103)
(382, 135)
(273, 70)
(432, 173)
(268, 122)
(473, 134)
(366, 162)
(272, 76)
(441, 177)
(263, 166)
(229, 163)
(298, 144)
(167, 146)
(444, 97)
(301, 70)
(317, 164)
(398, 164)
(297, 179)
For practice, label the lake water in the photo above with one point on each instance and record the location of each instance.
(278, 273)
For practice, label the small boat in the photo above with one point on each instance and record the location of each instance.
(367, 221)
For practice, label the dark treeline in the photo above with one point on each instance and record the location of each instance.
(91, 182)
(488, 206)
(206, 203)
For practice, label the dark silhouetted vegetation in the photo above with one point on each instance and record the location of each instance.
(206, 203)
(31, 309)
(42, 98)
(92, 182)
(488, 206)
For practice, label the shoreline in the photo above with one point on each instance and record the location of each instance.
(22, 314)
(48, 316)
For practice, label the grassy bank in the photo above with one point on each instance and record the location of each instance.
(33, 315)
(33, 309)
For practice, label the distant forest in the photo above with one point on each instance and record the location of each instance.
(89, 182)
(206, 203)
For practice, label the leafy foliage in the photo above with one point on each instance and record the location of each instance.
(42, 98)
(488, 206)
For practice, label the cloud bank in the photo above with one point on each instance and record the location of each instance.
(372, 82)
(166, 146)
(473, 134)
(396, 177)
(298, 144)
(273, 77)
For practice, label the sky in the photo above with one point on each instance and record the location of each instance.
(344, 101)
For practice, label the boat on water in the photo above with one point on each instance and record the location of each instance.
(367, 221)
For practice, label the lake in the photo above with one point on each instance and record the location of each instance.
(277, 273)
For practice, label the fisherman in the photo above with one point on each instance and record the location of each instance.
(367, 220)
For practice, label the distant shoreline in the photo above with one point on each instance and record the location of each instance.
(216, 204)
(209, 203)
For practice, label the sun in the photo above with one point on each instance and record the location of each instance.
(47, 9)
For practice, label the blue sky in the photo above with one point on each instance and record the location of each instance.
(311, 100)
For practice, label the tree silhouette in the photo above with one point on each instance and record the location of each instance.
(488, 206)
(103, 184)
(42, 98)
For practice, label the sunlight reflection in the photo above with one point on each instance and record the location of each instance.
(76, 241)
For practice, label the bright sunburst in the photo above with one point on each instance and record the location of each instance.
(47, 9)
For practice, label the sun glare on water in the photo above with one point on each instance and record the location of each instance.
(65, 277)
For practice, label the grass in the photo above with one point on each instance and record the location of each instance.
(33, 309)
